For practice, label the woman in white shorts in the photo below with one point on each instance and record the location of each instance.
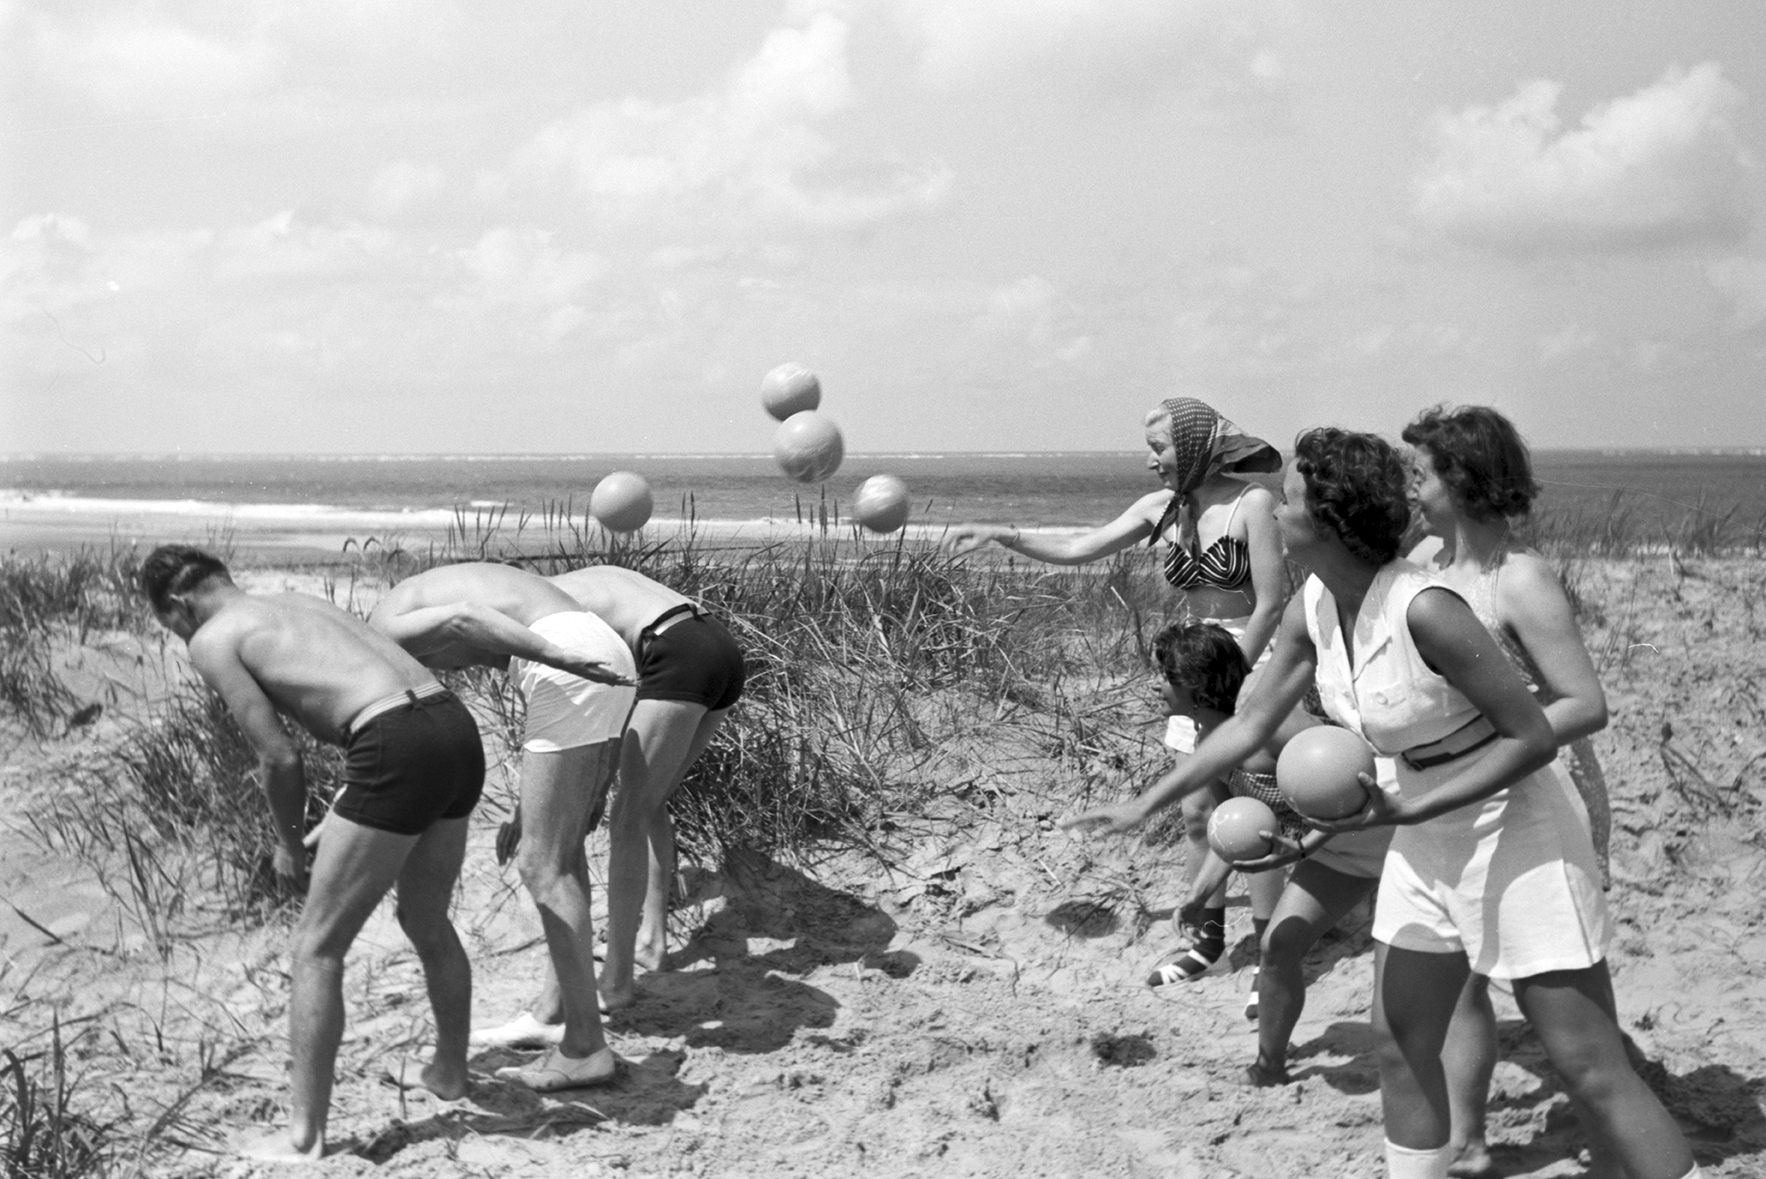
(1223, 558)
(1491, 868)
(1472, 478)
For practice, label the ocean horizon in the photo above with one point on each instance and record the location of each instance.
(49, 500)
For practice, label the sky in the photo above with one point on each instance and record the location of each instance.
(440, 226)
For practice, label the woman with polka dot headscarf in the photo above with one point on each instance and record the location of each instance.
(1224, 559)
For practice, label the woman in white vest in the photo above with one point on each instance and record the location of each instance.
(1491, 869)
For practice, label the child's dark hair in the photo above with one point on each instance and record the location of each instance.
(1480, 456)
(1358, 487)
(1204, 660)
(177, 569)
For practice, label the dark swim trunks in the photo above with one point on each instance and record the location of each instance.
(411, 765)
(695, 660)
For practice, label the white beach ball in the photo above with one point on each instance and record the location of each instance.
(622, 502)
(790, 389)
(808, 446)
(881, 503)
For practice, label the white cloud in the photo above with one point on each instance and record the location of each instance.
(1101, 45)
(1742, 279)
(142, 62)
(750, 149)
(1661, 166)
(523, 266)
(401, 185)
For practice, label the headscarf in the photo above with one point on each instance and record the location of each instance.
(1202, 443)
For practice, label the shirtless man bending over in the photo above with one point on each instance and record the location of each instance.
(415, 767)
(690, 672)
(575, 675)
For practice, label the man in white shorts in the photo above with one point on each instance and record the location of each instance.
(577, 678)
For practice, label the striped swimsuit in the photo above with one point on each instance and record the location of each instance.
(1225, 564)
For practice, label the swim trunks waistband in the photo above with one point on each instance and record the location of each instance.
(1474, 734)
(388, 703)
(665, 620)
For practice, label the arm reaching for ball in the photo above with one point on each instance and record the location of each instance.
(1272, 700)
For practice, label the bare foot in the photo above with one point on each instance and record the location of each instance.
(1473, 1161)
(555, 1071)
(650, 953)
(280, 1148)
(448, 1082)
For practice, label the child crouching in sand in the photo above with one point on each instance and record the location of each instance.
(1290, 912)
(1201, 669)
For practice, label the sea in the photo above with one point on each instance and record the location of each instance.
(1656, 490)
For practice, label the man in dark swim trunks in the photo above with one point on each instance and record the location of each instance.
(690, 672)
(414, 772)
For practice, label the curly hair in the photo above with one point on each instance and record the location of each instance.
(177, 569)
(1480, 456)
(1204, 660)
(1358, 488)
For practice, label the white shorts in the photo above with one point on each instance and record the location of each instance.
(1362, 853)
(1180, 731)
(566, 711)
(1510, 882)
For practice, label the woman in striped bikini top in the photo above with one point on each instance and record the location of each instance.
(1238, 580)
(1225, 564)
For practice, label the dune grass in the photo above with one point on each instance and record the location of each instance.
(857, 651)
(49, 599)
(865, 655)
(43, 1133)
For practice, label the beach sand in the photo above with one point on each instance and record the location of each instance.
(973, 1008)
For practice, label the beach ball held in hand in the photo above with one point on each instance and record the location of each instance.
(622, 502)
(1317, 772)
(790, 389)
(808, 446)
(881, 503)
(1236, 830)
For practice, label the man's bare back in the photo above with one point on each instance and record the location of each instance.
(479, 614)
(623, 598)
(317, 663)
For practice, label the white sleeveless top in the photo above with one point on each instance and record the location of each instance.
(1387, 693)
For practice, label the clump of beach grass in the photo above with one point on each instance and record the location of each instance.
(49, 600)
(174, 815)
(43, 1133)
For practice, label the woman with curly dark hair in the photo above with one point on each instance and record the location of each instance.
(1472, 479)
(1491, 869)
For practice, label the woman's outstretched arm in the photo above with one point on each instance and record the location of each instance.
(1131, 527)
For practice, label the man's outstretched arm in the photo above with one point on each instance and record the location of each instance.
(430, 630)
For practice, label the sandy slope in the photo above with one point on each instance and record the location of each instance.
(975, 1010)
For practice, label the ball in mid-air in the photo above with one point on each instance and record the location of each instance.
(621, 502)
(808, 446)
(1318, 772)
(1236, 830)
(881, 503)
(790, 389)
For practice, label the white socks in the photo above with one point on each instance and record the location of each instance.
(1402, 1162)
(1695, 1173)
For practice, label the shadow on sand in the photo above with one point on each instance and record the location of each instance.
(735, 986)
(1718, 1109)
